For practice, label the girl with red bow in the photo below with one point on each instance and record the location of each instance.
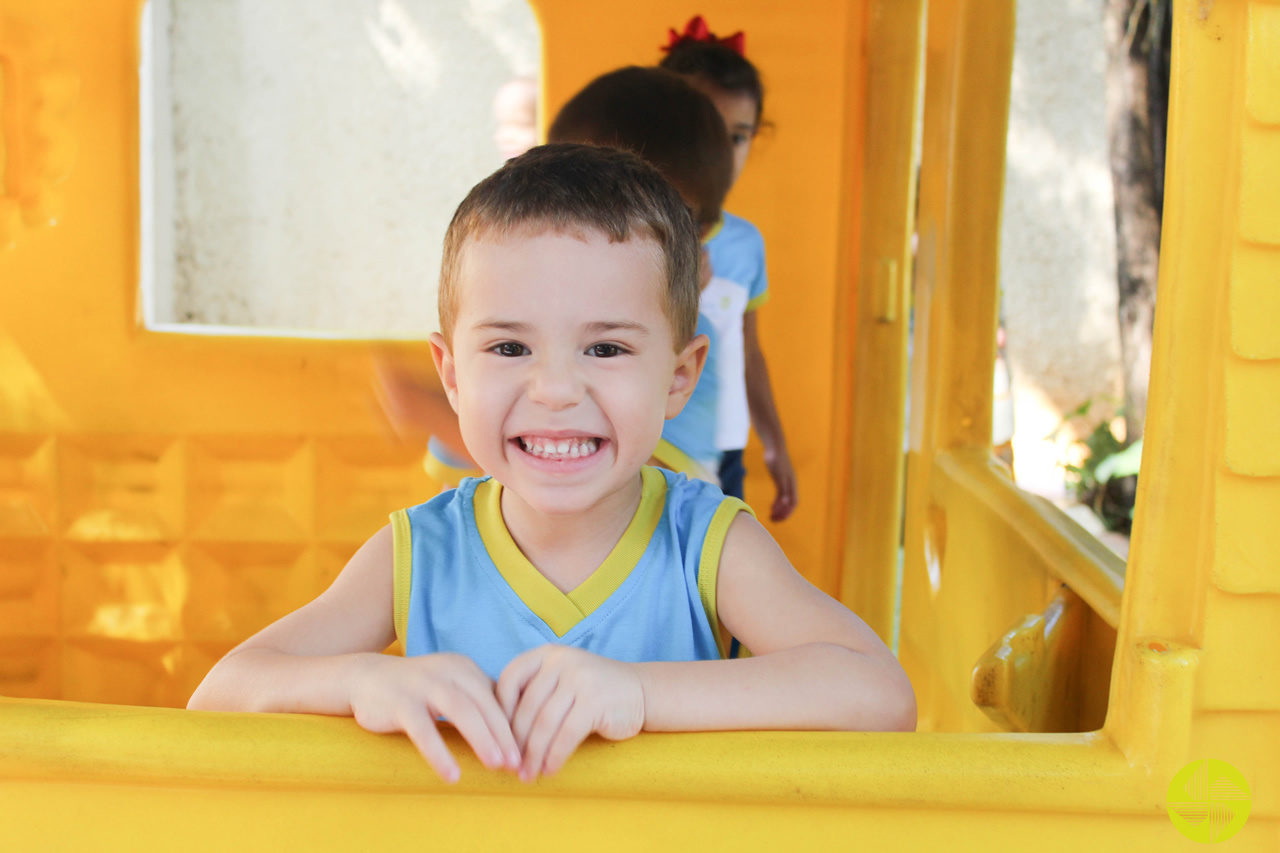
(718, 68)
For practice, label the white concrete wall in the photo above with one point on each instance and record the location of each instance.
(1058, 235)
(318, 149)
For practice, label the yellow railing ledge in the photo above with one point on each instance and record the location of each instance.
(44, 741)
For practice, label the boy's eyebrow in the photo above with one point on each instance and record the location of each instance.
(597, 328)
(603, 326)
(504, 325)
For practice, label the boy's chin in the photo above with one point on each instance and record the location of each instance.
(568, 498)
(560, 499)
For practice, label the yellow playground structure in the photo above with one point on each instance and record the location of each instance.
(164, 495)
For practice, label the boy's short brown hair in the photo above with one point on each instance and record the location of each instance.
(567, 187)
(660, 116)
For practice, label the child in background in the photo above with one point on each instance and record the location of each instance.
(576, 590)
(718, 68)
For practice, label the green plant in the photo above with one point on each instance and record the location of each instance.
(1106, 479)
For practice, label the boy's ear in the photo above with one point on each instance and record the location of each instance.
(443, 358)
(689, 366)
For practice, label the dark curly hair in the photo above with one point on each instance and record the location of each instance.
(716, 64)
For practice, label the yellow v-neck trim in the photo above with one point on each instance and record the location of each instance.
(560, 611)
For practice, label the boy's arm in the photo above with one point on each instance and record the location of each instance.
(764, 417)
(816, 664)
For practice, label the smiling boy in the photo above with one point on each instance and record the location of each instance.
(574, 589)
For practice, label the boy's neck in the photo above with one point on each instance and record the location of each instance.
(567, 549)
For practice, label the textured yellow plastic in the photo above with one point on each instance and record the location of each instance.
(162, 496)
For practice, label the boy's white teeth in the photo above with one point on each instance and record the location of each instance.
(575, 448)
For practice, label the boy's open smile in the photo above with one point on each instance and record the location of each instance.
(559, 451)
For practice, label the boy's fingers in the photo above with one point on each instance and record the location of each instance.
(535, 695)
(422, 732)
(573, 731)
(512, 681)
(499, 726)
(548, 723)
(461, 711)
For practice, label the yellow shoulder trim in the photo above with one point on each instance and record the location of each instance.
(673, 458)
(402, 572)
(709, 561)
(753, 304)
(448, 476)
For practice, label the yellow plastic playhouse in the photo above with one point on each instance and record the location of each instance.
(164, 495)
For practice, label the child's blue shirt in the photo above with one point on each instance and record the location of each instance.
(462, 585)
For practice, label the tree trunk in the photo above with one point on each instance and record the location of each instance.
(1137, 103)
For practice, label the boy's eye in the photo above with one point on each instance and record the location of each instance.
(605, 350)
(510, 349)
(741, 138)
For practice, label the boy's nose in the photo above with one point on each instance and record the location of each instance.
(556, 386)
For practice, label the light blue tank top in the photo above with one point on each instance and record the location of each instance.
(462, 585)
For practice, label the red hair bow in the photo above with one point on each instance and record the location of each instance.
(697, 30)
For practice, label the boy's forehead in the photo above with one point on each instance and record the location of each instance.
(520, 272)
(493, 243)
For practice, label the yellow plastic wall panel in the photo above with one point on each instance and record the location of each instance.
(1247, 538)
(165, 552)
(38, 148)
(1253, 415)
(1260, 185)
(1234, 681)
(1262, 77)
(1255, 301)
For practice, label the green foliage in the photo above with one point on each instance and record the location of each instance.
(1106, 480)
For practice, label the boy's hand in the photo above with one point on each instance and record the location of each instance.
(393, 694)
(557, 695)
